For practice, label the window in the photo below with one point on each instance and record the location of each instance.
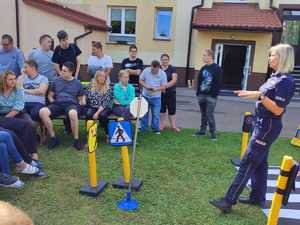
(291, 32)
(163, 24)
(235, 1)
(291, 13)
(122, 22)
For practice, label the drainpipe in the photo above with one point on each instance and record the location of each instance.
(271, 5)
(17, 23)
(276, 36)
(82, 36)
(190, 40)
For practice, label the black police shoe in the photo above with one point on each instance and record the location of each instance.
(222, 205)
(248, 201)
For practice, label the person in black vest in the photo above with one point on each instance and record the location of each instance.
(272, 99)
(66, 52)
(168, 98)
(208, 89)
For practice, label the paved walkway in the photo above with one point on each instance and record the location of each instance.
(229, 112)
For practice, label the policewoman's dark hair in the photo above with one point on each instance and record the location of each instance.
(62, 35)
(70, 66)
(155, 63)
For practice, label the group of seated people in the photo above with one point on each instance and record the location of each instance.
(47, 85)
(28, 100)
(32, 99)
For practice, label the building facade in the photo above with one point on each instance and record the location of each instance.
(239, 31)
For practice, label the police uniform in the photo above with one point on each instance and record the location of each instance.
(279, 88)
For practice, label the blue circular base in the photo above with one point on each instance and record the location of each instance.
(128, 204)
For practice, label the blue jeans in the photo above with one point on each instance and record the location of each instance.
(7, 146)
(154, 106)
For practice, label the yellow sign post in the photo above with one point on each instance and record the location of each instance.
(296, 140)
(123, 182)
(246, 131)
(285, 169)
(92, 188)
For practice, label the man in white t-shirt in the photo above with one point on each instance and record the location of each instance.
(98, 60)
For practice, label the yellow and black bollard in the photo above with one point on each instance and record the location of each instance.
(92, 188)
(287, 175)
(123, 182)
(296, 140)
(246, 132)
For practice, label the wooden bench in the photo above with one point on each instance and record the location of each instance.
(44, 133)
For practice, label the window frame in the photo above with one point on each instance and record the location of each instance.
(161, 38)
(235, 1)
(123, 22)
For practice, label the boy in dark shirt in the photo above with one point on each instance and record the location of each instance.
(65, 97)
(66, 52)
(208, 89)
(133, 65)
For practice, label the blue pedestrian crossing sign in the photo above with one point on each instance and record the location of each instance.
(120, 133)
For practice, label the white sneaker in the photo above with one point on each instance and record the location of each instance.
(10, 181)
(29, 169)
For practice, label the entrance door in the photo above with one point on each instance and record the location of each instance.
(235, 62)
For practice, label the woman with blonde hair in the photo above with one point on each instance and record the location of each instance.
(99, 99)
(124, 93)
(272, 100)
(12, 116)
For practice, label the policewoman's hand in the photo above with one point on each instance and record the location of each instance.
(248, 94)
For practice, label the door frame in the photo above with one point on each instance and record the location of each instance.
(239, 43)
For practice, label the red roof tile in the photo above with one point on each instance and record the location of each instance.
(90, 22)
(235, 16)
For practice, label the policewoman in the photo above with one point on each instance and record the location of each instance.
(272, 99)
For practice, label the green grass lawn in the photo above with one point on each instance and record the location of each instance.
(181, 174)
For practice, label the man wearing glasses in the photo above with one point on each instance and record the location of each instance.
(11, 58)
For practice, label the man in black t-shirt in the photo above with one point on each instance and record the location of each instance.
(133, 65)
(66, 52)
(208, 89)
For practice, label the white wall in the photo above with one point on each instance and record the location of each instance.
(184, 9)
(8, 18)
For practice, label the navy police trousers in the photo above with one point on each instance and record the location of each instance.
(254, 164)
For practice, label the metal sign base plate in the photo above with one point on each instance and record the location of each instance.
(86, 189)
(136, 184)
